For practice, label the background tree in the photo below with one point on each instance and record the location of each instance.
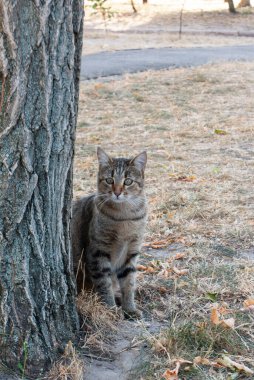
(101, 7)
(244, 3)
(133, 6)
(40, 53)
(231, 6)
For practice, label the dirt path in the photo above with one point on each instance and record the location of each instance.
(127, 351)
(124, 356)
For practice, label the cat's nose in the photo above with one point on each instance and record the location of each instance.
(117, 191)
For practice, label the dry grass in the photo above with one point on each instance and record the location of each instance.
(69, 367)
(184, 303)
(197, 126)
(95, 313)
(98, 321)
(99, 325)
(205, 23)
(198, 181)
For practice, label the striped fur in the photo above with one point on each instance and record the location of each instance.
(107, 230)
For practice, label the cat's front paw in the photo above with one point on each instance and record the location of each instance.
(132, 314)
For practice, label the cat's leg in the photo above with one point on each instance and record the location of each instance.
(127, 280)
(99, 268)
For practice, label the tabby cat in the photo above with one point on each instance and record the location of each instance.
(107, 230)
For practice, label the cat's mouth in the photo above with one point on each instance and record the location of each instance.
(118, 199)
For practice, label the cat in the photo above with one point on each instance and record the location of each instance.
(107, 230)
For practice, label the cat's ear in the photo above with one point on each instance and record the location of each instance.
(103, 158)
(140, 161)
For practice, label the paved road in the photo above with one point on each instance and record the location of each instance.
(106, 64)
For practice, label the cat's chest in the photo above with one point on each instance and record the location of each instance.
(124, 230)
(118, 254)
(124, 233)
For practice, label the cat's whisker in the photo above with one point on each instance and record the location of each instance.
(134, 202)
(100, 195)
(102, 203)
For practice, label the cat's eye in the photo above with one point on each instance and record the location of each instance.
(109, 181)
(128, 181)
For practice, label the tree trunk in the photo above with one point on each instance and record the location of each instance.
(40, 49)
(133, 6)
(231, 5)
(244, 3)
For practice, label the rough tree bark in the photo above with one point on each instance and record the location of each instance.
(40, 49)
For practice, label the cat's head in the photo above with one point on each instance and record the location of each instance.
(121, 179)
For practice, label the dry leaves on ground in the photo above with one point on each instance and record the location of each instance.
(172, 374)
(165, 268)
(225, 361)
(216, 313)
(249, 304)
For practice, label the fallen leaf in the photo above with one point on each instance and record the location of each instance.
(229, 363)
(211, 296)
(163, 290)
(160, 243)
(180, 272)
(184, 178)
(223, 310)
(248, 305)
(179, 256)
(150, 270)
(141, 267)
(215, 316)
(205, 361)
(147, 269)
(229, 323)
(158, 246)
(172, 374)
(182, 361)
(220, 132)
(249, 302)
(200, 360)
(165, 273)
